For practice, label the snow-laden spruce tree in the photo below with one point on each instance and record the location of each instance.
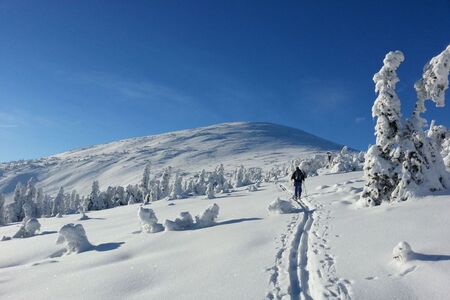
(29, 205)
(2, 210)
(210, 191)
(40, 202)
(165, 182)
(177, 188)
(380, 169)
(14, 210)
(406, 160)
(58, 203)
(96, 202)
(145, 182)
(423, 168)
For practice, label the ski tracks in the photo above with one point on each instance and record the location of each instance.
(304, 267)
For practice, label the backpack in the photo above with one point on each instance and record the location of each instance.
(299, 175)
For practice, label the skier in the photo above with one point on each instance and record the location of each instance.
(298, 176)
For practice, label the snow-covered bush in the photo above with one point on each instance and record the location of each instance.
(346, 161)
(185, 221)
(282, 207)
(208, 217)
(28, 229)
(149, 221)
(402, 253)
(74, 237)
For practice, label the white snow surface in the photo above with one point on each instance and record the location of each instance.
(122, 162)
(329, 250)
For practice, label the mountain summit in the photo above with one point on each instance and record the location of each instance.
(122, 162)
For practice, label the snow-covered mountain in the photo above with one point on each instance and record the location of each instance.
(122, 162)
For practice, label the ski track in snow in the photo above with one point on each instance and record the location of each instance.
(304, 267)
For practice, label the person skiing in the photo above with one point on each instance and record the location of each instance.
(298, 177)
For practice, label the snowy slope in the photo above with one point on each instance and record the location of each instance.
(122, 162)
(329, 250)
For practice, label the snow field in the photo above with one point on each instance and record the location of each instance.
(224, 261)
(330, 250)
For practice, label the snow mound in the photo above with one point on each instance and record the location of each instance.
(185, 221)
(402, 253)
(208, 217)
(149, 221)
(28, 229)
(75, 238)
(281, 207)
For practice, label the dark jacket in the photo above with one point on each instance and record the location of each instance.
(298, 176)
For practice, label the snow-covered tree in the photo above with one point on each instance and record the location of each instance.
(14, 211)
(40, 202)
(423, 167)
(145, 182)
(165, 182)
(239, 177)
(58, 203)
(177, 188)
(29, 205)
(46, 210)
(406, 160)
(387, 105)
(119, 196)
(380, 171)
(96, 201)
(2, 210)
(155, 190)
(210, 192)
(200, 184)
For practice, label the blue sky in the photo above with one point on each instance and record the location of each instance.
(77, 73)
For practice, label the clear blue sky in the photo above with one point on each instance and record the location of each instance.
(77, 73)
